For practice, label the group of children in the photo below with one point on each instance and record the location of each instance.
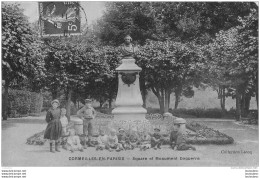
(57, 131)
(57, 128)
(143, 140)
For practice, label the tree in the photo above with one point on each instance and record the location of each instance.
(73, 64)
(105, 87)
(183, 21)
(121, 18)
(199, 21)
(170, 67)
(234, 61)
(21, 52)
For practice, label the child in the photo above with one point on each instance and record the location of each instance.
(156, 139)
(64, 122)
(54, 127)
(112, 141)
(123, 140)
(102, 140)
(134, 139)
(177, 139)
(87, 114)
(145, 141)
(73, 142)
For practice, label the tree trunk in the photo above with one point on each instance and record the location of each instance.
(177, 98)
(143, 86)
(256, 90)
(238, 105)
(68, 106)
(167, 102)
(160, 97)
(78, 104)
(101, 102)
(163, 99)
(161, 103)
(169, 98)
(110, 103)
(256, 97)
(222, 97)
(246, 104)
(5, 102)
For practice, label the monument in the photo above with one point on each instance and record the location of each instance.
(129, 112)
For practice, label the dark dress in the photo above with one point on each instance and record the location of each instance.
(54, 127)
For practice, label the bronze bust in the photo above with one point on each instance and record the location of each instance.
(127, 49)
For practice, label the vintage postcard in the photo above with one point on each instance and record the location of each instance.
(129, 84)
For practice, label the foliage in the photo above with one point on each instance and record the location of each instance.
(123, 18)
(72, 63)
(233, 60)
(184, 21)
(200, 134)
(170, 67)
(22, 55)
(205, 135)
(21, 52)
(24, 102)
(200, 21)
(106, 86)
(192, 113)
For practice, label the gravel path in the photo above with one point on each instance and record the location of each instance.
(243, 153)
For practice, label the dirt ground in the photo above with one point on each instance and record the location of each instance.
(243, 153)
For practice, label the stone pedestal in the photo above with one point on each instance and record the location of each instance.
(78, 125)
(129, 110)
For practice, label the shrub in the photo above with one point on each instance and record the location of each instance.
(213, 113)
(21, 103)
(104, 110)
(231, 113)
(192, 113)
(198, 112)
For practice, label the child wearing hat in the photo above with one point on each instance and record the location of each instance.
(156, 139)
(178, 137)
(87, 113)
(73, 142)
(53, 130)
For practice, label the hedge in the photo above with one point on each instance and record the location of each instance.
(24, 103)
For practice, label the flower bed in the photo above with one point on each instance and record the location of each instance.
(196, 133)
(205, 135)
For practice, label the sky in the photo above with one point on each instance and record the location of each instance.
(93, 9)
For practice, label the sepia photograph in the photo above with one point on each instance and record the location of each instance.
(129, 84)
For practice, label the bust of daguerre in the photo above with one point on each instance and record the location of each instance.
(127, 49)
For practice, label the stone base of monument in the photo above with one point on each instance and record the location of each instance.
(129, 113)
